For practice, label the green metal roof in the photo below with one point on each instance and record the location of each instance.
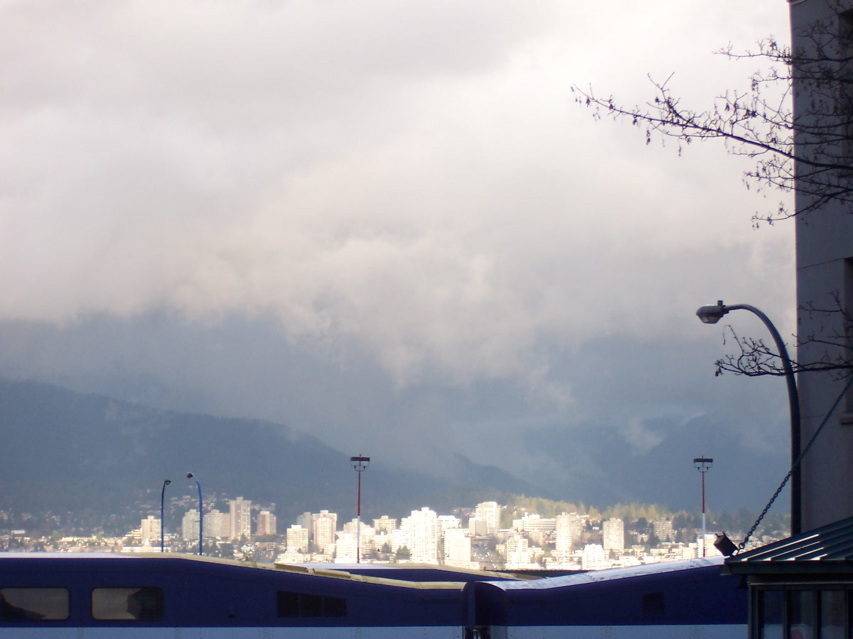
(825, 549)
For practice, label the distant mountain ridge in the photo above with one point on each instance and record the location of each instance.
(66, 451)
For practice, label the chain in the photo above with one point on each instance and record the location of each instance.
(795, 463)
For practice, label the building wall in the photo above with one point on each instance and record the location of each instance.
(824, 248)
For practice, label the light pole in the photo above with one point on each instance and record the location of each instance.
(703, 465)
(712, 315)
(162, 528)
(359, 463)
(200, 512)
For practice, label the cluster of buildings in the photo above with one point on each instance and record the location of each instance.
(471, 539)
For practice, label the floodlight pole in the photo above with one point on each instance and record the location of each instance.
(703, 465)
(200, 513)
(359, 463)
(711, 315)
(162, 527)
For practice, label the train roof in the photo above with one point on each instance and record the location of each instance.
(611, 574)
(410, 572)
(124, 561)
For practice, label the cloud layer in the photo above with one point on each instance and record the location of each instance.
(409, 180)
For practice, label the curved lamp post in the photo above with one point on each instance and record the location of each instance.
(359, 463)
(711, 315)
(162, 528)
(200, 512)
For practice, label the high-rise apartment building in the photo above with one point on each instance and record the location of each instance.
(594, 557)
(663, 529)
(150, 530)
(457, 548)
(384, 524)
(189, 524)
(241, 518)
(267, 524)
(613, 533)
(325, 525)
(217, 524)
(423, 535)
(569, 528)
(490, 512)
(297, 539)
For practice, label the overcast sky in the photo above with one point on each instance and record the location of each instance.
(384, 222)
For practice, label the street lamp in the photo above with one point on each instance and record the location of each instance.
(359, 463)
(162, 528)
(703, 465)
(200, 512)
(712, 315)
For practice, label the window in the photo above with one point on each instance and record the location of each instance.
(33, 604)
(801, 612)
(832, 606)
(771, 605)
(143, 604)
(297, 604)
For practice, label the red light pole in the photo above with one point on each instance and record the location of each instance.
(703, 465)
(359, 463)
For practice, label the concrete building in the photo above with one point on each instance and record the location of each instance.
(241, 518)
(297, 539)
(477, 527)
(345, 548)
(325, 525)
(384, 524)
(569, 527)
(663, 529)
(267, 524)
(149, 530)
(594, 557)
(217, 524)
(457, 548)
(613, 535)
(423, 535)
(189, 524)
(490, 512)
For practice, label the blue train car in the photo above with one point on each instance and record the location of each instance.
(657, 601)
(181, 596)
(104, 596)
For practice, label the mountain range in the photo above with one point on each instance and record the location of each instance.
(67, 451)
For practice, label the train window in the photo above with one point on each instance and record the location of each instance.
(142, 604)
(33, 604)
(298, 604)
(653, 604)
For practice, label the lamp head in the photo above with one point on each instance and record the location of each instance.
(725, 545)
(712, 314)
(702, 463)
(359, 462)
(190, 475)
(167, 482)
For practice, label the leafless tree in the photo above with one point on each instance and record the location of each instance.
(760, 122)
(796, 122)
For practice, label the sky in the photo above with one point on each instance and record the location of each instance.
(387, 223)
